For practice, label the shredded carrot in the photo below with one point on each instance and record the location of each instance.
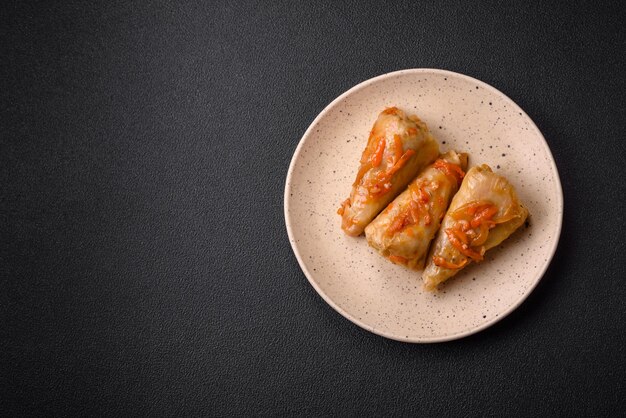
(468, 210)
(398, 148)
(459, 234)
(471, 229)
(398, 224)
(390, 111)
(383, 185)
(424, 196)
(450, 169)
(414, 210)
(463, 225)
(342, 208)
(476, 256)
(442, 262)
(398, 165)
(463, 248)
(484, 215)
(419, 204)
(455, 241)
(411, 131)
(377, 156)
(474, 207)
(398, 259)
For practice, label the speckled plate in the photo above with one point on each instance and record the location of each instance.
(466, 115)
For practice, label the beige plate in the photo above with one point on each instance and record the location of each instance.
(466, 115)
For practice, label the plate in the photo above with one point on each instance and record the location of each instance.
(463, 114)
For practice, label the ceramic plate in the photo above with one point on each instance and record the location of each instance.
(463, 114)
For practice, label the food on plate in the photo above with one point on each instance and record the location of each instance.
(484, 212)
(403, 231)
(399, 146)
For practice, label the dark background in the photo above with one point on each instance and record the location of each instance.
(145, 265)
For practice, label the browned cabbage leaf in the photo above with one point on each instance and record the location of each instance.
(481, 190)
(399, 146)
(404, 230)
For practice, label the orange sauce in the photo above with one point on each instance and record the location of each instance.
(449, 169)
(442, 262)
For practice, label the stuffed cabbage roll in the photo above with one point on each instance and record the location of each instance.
(404, 230)
(399, 146)
(482, 214)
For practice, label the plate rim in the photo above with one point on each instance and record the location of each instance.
(347, 315)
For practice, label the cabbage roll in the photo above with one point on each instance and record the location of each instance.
(483, 213)
(398, 147)
(403, 231)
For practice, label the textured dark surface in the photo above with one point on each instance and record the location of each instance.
(144, 264)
